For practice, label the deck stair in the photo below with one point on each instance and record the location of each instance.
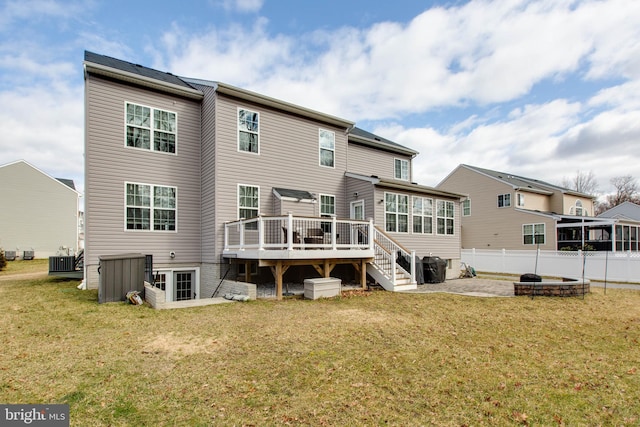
(385, 270)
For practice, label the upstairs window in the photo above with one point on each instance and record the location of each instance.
(422, 215)
(396, 210)
(504, 200)
(466, 207)
(445, 218)
(150, 129)
(150, 207)
(533, 234)
(520, 200)
(327, 148)
(248, 131)
(401, 169)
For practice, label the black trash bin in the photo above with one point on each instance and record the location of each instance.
(404, 262)
(434, 269)
(530, 277)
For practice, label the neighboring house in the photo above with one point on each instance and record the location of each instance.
(622, 226)
(38, 213)
(507, 211)
(219, 182)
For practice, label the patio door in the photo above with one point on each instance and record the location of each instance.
(183, 285)
(357, 210)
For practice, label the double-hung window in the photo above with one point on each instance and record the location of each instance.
(150, 207)
(401, 169)
(533, 234)
(396, 212)
(327, 144)
(327, 209)
(466, 207)
(248, 131)
(445, 217)
(150, 128)
(422, 215)
(520, 200)
(504, 200)
(248, 203)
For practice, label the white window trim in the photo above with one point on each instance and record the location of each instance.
(422, 215)
(453, 218)
(320, 148)
(519, 200)
(238, 199)
(463, 207)
(169, 285)
(533, 229)
(244, 130)
(397, 213)
(402, 162)
(503, 197)
(151, 148)
(151, 208)
(320, 195)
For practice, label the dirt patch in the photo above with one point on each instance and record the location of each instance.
(179, 346)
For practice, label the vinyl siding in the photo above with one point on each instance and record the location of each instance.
(536, 202)
(490, 227)
(109, 164)
(369, 161)
(37, 212)
(444, 246)
(289, 158)
(569, 201)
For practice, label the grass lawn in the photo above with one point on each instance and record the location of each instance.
(376, 358)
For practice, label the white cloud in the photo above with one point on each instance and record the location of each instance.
(43, 125)
(242, 5)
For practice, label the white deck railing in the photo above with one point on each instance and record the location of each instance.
(297, 233)
(389, 255)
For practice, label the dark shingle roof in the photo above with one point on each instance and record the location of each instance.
(525, 183)
(140, 70)
(361, 133)
(68, 182)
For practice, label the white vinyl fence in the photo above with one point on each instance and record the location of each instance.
(612, 266)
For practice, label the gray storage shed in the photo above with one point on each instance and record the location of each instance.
(120, 274)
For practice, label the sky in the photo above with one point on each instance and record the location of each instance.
(544, 89)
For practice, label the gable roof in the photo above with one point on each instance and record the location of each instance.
(67, 183)
(625, 210)
(363, 137)
(522, 183)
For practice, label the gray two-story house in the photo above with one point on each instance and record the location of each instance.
(216, 181)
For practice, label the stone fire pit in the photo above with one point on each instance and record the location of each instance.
(565, 287)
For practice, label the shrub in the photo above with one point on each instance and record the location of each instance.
(3, 260)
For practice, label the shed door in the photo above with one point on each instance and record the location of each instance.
(184, 286)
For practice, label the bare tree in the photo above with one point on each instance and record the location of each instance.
(626, 190)
(582, 182)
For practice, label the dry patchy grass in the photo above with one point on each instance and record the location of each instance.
(368, 359)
